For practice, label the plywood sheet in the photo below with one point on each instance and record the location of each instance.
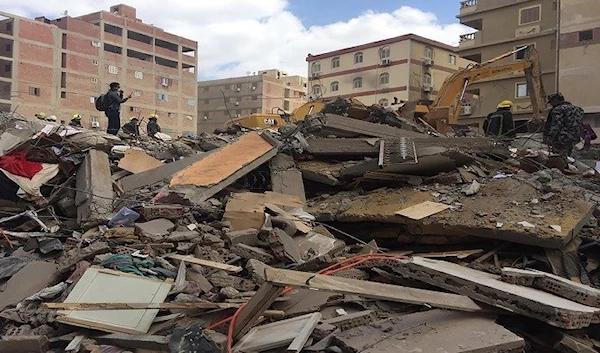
(422, 210)
(246, 210)
(223, 163)
(138, 161)
(107, 286)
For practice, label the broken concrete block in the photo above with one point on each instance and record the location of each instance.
(285, 177)
(349, 321)
(29, 280)
(283, 246)
(472, 189)
(94, 182)
(182, 236)
(256, 270)
(222, 280)
(489, 289)
(250, 252)
(248, 237)
(154, 230)
(229, 292)
(430, 331)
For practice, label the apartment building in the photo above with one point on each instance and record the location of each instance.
(262, 92)
(501, 26)
(59, 66)
(408, 67)
(579, 53)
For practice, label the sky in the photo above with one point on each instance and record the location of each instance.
(240, 36)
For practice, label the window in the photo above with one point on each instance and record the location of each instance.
(7, 68)
(317, 90)
(521, 90)
(358, 58)
(34, 91)
(427, 79)
(357, 82)
(139, 75)
(134, 109)
(63, 94)
(384, 78)
(530, 14)
(171, 115)
(63, 80)
(94, 62)
(384, 102)
(238, 113)
(64, 41)
(137, 93)
(254, 98)
(286, 105)
(385, 52)
(429, 52)
(254, 111)
(191, 102)
(335, 62)
(165, 81)
(94, 79)
(585, 36)
(93, 100)
(162, 97)
(520, 55)
(452, 59)
(335, 86)
(113, 69)
(63, 60)
(316, 67)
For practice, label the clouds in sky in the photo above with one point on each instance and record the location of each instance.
(237, 36)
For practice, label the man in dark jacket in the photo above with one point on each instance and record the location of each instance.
(500, 124)
(131, 129)
(114, 99)
(563, 126)
(152, 127)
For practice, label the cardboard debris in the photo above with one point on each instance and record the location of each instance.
(422, 210)
(247, 210)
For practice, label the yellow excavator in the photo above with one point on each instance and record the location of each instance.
(443, 112)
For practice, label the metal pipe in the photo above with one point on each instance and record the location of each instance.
(558, 35)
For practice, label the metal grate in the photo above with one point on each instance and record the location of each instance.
(397, 151)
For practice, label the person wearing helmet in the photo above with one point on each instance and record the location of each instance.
(500, 124)
(52, 118)
(131, 129)
(41, 116)
(76, 120)
(563, 126)
(152, 127)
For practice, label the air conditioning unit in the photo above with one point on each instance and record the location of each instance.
(427, 88)
(466, 109)
(238, 89)
(386, 62)
(428, 62)
(95, 124)
(316, 74)
(254, 88)
(237, 103)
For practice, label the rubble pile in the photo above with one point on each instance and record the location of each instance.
(349, 231)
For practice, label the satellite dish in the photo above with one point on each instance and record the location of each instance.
(65, 13)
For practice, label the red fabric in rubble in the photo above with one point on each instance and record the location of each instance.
(16, 164)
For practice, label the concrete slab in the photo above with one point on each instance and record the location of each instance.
(489, 289)
(155, 230)
(500, 200)
(95, 191)
(343, 126)
(431, 331)
(285, 177)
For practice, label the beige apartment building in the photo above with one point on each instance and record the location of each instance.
(408, 67)
(262, 92)
(579, 73)
(501, 26)
(59, 66)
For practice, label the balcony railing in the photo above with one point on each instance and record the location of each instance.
(470, 40)
(467, 37)
(468, 3)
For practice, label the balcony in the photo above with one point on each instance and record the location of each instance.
(468, 6)
(470, 40)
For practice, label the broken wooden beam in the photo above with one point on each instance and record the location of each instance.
(138, 306)
(256, 307)
(488, 288)
(370, 289)
(158, 343)
(196, 261)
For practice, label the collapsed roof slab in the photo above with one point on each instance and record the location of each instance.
(494, 212)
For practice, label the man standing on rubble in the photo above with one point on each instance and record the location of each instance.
(563, 126)
(500, 124)
(114, 99)
(152, 127)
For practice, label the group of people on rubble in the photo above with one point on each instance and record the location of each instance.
(564, 127)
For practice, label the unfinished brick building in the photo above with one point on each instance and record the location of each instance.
(59, 66)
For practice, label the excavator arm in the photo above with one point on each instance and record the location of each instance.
(446, 107)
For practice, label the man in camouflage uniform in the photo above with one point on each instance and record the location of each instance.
(563, 126)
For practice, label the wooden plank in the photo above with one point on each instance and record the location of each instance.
(196, 261)
(225, 162)
(459, 254)
(137, 161)
(422, 210)
(489, 254)
(260, 302)
(160, 343)
(370, 289)
(75, 344)
(138, 306)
